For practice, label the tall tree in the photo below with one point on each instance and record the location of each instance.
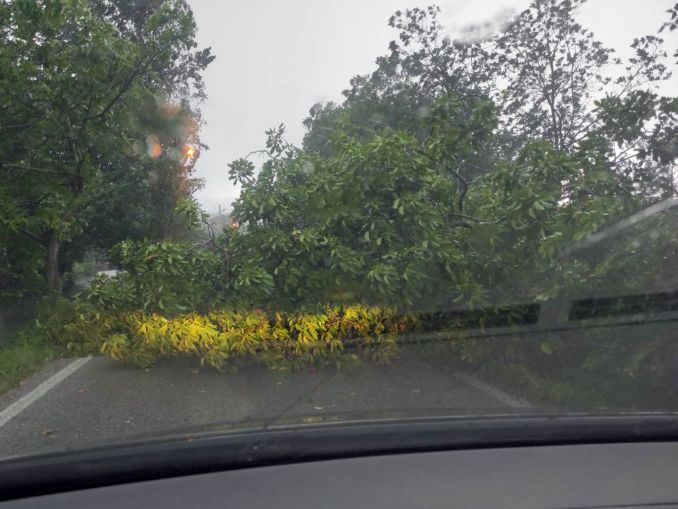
(553, 68)
(422, 65)
(559, 87)
(72, 84)
(549, 77)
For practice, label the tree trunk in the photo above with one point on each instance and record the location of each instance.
(52, 263)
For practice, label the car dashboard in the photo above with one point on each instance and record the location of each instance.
(534, 477)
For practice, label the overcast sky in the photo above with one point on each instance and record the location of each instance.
(276, 58)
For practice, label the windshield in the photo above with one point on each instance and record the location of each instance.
(238, 215)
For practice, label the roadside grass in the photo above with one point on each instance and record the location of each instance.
(26, 353)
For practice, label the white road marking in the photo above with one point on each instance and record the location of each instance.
(493, 391)
(23, 403)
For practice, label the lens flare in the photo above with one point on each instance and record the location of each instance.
(153, 147)
(189, 152)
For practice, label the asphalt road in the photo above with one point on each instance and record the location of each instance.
(84, 402)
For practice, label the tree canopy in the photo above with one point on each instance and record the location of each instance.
(98, 103)
(459, 167)
(460, 171)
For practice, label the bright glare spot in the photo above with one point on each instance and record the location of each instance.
(189, 152)
(153, 147)
(154, 151)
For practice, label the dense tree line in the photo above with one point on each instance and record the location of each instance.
(98, 130)
(458, 171)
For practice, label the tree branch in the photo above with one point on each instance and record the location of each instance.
(33, 169)
(31, 235)
(463, 184)
(125, 86)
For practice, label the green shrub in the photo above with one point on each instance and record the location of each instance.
(162, 277)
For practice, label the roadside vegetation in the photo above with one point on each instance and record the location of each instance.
(26, 353)
(335, 335)
(458, 174)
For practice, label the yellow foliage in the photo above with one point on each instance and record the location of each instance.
(281, 341)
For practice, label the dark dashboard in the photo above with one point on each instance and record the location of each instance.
(565, 476)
